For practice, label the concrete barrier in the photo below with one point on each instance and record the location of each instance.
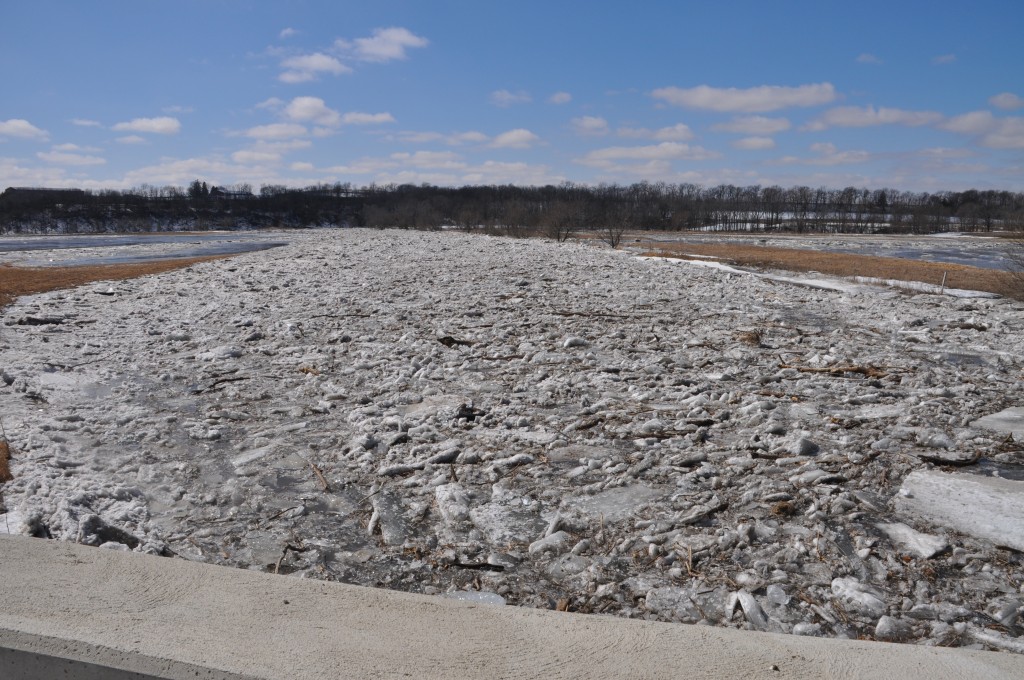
(73, 611)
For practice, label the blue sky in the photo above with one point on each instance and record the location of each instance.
(910, 95)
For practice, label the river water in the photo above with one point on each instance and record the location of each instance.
(101, 249)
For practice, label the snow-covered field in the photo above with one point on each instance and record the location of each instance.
(549, 425)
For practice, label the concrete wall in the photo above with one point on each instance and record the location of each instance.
(73, 611)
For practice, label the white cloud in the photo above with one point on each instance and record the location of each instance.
(272, 104)
(560, 98)
(12, 174)
(469, 137)
(164, 125)
(989, 131)
(453, 139)
(520, 174)
(281, 147)
(1008, 134)
(828, 154)
(944, 59)
(504, 98)
(304, 68)
(750, 100)
(82, 122)
(514, 139)
(287, 33)
(665, 151)
(311, 109)
(973, 123)
(753, 125)
(856, 116)
(437, 160)
(680, 132)
(754, 143)
(18, 127)
(62, 158)
(489, 172)
(1006, 101)
(302, 166)
(254, 157)
(868, 58)
(276, 131)
(72, 147)
(386, 44)
(357, 118)
(131, 139)
(589, 126)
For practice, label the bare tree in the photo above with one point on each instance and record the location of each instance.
(617, 218)
(1015, 254)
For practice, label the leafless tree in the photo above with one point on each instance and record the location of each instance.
(1015, 254)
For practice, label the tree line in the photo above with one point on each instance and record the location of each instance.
(557, 211)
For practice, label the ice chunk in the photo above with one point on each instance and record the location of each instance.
(1010, 420)
(988, 508)
(924, 545)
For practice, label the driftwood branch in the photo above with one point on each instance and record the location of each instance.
(838, 371)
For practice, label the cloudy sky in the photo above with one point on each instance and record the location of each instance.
(907, 94)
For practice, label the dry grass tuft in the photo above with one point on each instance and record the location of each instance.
(848, 265)
(783, 509)
(5, 458)
(753, 338)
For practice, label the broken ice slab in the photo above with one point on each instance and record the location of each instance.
(987, 508)
(393, 526)
(1010, 420)
(924, 545)
(477, 597)
(12, 522)
(614, 504)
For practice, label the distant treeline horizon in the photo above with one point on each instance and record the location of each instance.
(558, 211)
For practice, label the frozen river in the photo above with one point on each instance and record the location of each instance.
(974, 251)
(96, 249)
(551, 425)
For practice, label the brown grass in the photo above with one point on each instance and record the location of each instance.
(843, 264)
(18, 281)
(5, 466)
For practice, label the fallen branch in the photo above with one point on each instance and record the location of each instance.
(319, 475)
(294, 507)
(591, 314)
(287, 547)
(838, 371)
(68, 367)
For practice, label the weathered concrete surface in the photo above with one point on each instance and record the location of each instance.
(167, 618)
(989, 508)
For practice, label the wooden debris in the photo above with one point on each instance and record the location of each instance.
(840, 371)
(320, 476)
(449, 341)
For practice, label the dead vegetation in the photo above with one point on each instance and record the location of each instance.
(1015, 252)
(5, 466)
(5, 457)
(847, 265)
(18, 281)
(754, 337)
